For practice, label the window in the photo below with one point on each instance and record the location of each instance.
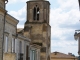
(27, 52)
(33, 55)
(36, 13)
(20, 51)
(13, 44)
(20, 47)
(6, 44)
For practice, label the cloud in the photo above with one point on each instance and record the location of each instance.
(63, 43)
(12, 1)
(24, 0)
(62, 33)
(20, 26)
(59, 16)
(70, 4)
(64, 20)
(20, 15)
(16, 1)
(64, 46)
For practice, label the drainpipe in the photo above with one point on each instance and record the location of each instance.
(4, 27)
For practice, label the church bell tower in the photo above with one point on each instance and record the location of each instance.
(37, 26)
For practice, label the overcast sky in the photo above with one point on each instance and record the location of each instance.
(64, 20)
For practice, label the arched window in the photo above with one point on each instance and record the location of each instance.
(36, 13)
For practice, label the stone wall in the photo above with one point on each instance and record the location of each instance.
(10, 33)
(9, 56)
(1, 34)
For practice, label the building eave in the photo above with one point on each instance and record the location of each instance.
(19, 36)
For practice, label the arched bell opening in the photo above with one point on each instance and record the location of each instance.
(36, 13)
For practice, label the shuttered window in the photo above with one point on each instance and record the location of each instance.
(33, 55)
(13, 45)
(6, 44)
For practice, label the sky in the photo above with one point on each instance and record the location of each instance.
(64, 20)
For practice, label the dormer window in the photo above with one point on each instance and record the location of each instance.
(36, 13)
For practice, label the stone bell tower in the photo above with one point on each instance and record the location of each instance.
(37, 26)
(2, 23)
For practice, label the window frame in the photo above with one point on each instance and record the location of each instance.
(36, 13)
(6, 44)
(13, 45)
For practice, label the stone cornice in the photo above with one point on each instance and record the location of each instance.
(3, 10)
(19, 36)
(11, 20)
(35, 46)
(6, 32)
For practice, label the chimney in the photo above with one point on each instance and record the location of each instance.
(70, 54)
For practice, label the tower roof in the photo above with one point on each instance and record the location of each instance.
(37, 0)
